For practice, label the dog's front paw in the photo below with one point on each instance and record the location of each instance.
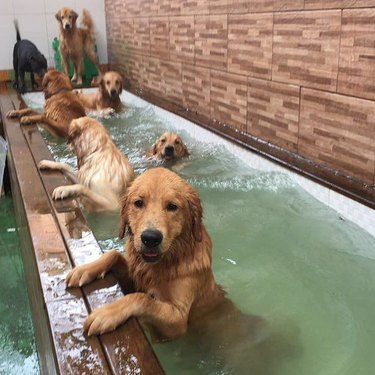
(26, 120)
(46, 164)
(12, 114)
(105, 319)
(63, 192)
(83, 275)
(107, 112)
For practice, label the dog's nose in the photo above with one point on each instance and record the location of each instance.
(67, 26)
(113, 92)
(169, 150)
(151, 237)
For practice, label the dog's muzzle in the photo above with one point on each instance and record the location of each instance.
(113, 93)
(150, 250)
(169, 151)
(67, 26)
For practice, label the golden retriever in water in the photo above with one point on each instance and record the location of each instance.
(167, 261)
(75, 42)
(61, 106)
(104, 173)
(107, 96)
(169, 147)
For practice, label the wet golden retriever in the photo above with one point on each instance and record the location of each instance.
(107, 95)
(169, 147)
(167, 264)
(75, 42)
(167, 259)
(61, 106)
(104, 173)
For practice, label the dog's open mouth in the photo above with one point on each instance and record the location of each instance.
(151, 255)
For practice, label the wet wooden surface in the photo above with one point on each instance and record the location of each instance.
(55, 237)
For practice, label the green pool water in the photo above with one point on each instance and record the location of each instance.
(17, 346)
(279, 253)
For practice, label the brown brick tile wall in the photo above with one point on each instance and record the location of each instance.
(272, 112)
(357, 53)
(296, 73)
(330, 4)
(250, 44)
(339, 131)
(159, 37)
(196, 89)
(306, 48)
(211, 40)
(182, 39)
(228, 98)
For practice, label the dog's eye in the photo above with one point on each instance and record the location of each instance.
(138, 203)
(171, 207)
(117, 82)
(177, 142)
(108, 82)
(162, 140)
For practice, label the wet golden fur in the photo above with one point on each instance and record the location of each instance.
(61, 105)
(75, 42)
(107, 95)
(171, 141)
(104, 173)
(168, 293)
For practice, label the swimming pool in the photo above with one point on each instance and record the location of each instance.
(280, 253)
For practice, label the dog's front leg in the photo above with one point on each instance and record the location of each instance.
(95, 201)
(57, 166)
(168, 319)
(20, 113)
(84, 274)
(34, 85)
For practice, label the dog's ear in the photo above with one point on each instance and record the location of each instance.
(75, 130)
(74, 15)
(100, 83)
(58, 16)
(196, 212)
(154, 149)
(185, 151)
(121, 84)
(124, 215)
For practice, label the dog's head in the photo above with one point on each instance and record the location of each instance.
(110, 84)
(86, 136)
(169, 147)
(38, 64)
(55, 82)
(67, 18)
(161, 211)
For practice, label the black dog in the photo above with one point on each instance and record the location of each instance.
(26, 58)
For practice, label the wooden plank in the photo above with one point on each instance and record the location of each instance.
(73, 352)
(128, 345)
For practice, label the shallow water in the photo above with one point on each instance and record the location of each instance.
(280, 254)
(17, 346)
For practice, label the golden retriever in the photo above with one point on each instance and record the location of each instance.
(167, 259)
(172, 290)
(104, 173)
(169, 147)
(61, 106)
(75, 42)
(107, 96)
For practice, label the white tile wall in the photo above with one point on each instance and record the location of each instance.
(37, 23)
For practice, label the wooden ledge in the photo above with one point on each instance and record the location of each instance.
(54, 237)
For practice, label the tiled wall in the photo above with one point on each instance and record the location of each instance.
(297, 73)
(37, 23)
